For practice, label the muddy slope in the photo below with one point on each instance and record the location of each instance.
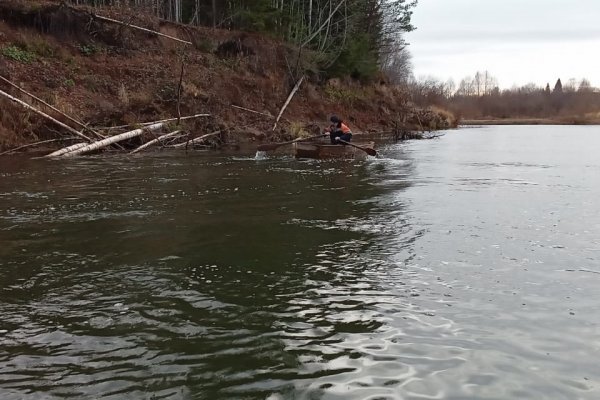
(106, 74)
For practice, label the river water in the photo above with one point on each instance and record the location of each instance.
(465, 267)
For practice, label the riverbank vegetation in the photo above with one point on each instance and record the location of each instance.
(478, 99)
(255, 71)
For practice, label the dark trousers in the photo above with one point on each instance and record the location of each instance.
(344, 136)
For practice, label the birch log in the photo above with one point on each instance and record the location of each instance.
(113, 139)
(154, 141)
(35, 110)
(68, 149)
(287, 102)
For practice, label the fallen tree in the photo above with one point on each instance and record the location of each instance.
(82, 148)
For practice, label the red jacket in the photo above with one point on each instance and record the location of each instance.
(343, 127)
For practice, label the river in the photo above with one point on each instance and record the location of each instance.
(465, 267)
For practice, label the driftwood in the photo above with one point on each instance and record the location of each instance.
(80, 148)
(113, 139)
(139, 28)
(36, 144)
(196, 140)
(252, 111)
(79, 123)
(287, 102)
(154, 141)
(35, 110)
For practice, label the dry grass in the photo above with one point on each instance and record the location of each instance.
(445, 114)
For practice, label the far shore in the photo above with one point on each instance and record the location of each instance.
(531, 121)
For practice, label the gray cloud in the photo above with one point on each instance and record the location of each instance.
(498, 36)
(519, 41)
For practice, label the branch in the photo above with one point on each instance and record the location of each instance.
(293, 92)
(140, 28)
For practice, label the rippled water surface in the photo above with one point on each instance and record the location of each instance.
(466, 267)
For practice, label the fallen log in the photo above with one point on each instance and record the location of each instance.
(154, 141)
(139, 28)
(35, 110)
(287, 102)
(123, 136)
(196, 140)
(65, 150)
(111, 140)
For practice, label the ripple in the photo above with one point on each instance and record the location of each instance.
(430, 274)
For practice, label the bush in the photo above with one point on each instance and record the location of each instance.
(88, 50)
(17, 54)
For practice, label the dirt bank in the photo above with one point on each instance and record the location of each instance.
(106, 74)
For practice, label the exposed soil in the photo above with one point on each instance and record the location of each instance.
(106, 74)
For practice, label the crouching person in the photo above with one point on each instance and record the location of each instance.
(339, 130)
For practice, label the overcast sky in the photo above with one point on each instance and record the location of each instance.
(517, 41)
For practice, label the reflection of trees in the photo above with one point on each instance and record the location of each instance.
(289, 293)
(236, 281)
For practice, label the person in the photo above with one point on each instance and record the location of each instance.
(339, 130)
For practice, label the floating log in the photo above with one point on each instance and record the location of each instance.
(293, 92)
(154, 141)
(35, 110)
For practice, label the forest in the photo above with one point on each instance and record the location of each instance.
(358, 38)
(479, 97)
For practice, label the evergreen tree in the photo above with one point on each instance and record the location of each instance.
(558, 88)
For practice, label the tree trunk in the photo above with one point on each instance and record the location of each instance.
(114, 139)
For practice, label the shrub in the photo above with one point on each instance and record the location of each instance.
(88, 50)
(17, 54)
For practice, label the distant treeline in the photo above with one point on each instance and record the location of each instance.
(346, 37)
(479, 97)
